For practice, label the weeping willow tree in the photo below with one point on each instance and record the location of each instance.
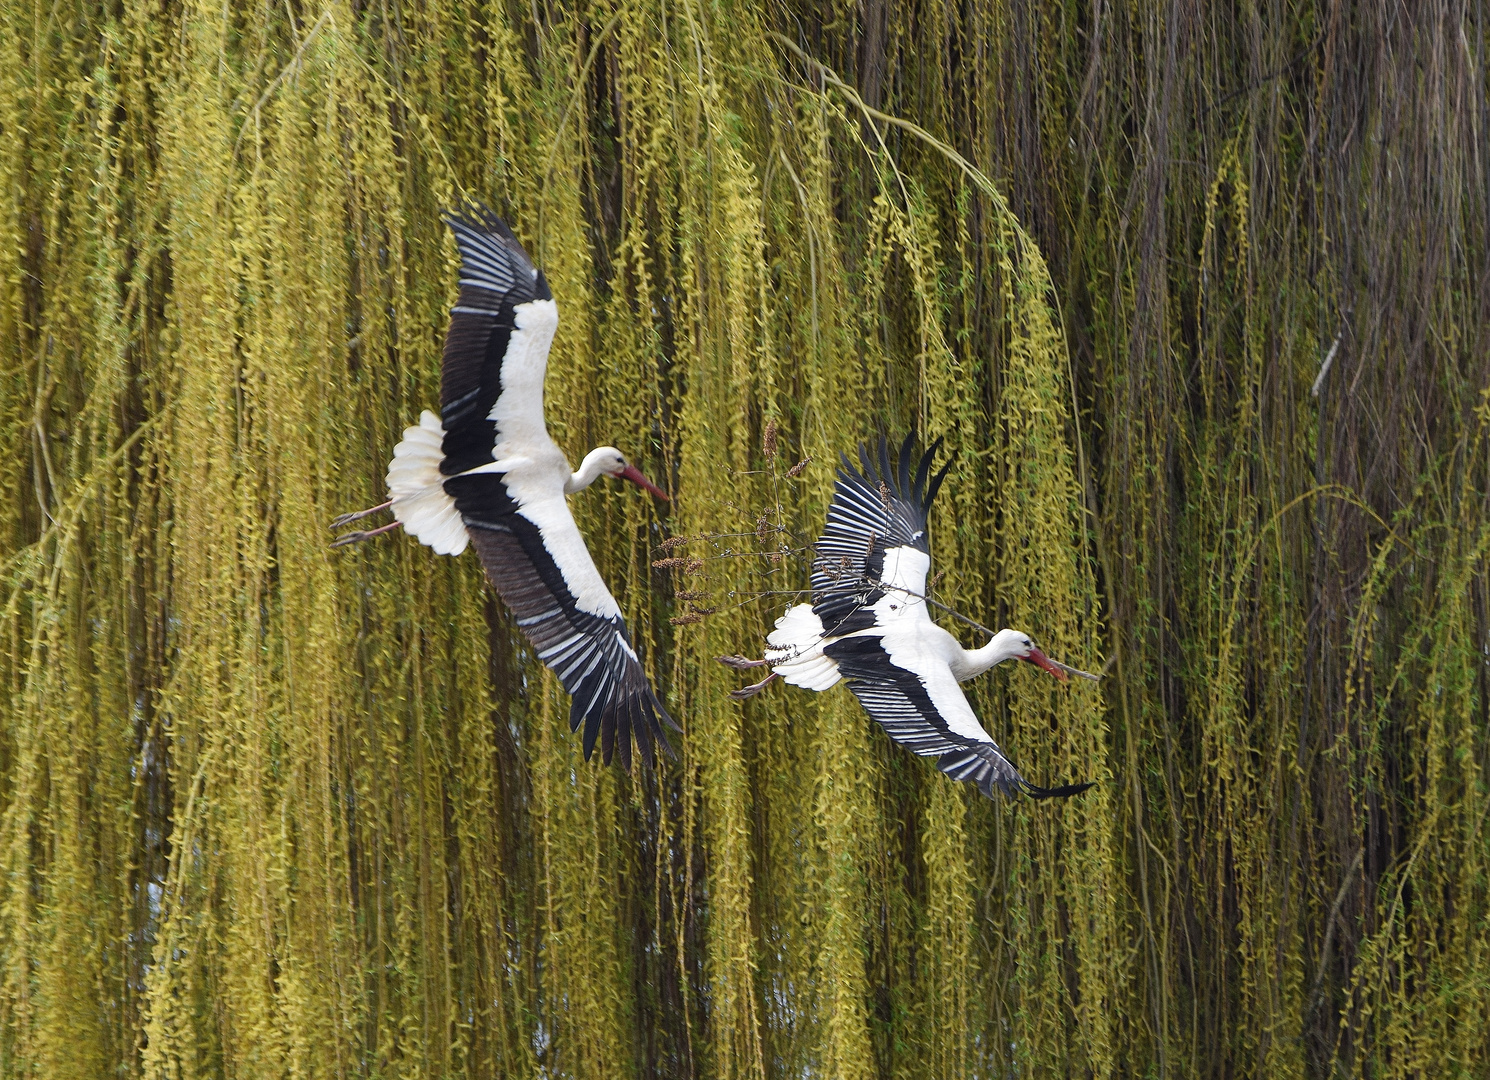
(1198, 296)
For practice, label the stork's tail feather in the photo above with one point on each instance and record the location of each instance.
(418, 492)
(796, 633)
(795, 650)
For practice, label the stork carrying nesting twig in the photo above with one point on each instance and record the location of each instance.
(868, 624)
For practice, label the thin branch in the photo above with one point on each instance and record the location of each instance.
(293, 65)
(579, 86)
(1324, 368)
(1329, 929)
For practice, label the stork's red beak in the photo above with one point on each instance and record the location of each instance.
(1040, 660)
(632, 473)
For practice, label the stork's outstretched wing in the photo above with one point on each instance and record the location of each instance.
(875, 536)
(491, 410)
(535, 572)
(915, 698)
(496, 348)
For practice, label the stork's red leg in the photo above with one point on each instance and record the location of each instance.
(753, 689)
(358, 537)
(740, 663)
(347, 519)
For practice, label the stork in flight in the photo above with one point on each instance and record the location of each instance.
(868, 625)
(485, 472)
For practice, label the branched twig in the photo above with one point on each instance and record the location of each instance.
(1329, 930)
(278, 81)
(887, 587)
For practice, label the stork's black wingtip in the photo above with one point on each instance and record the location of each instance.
(659, 734)
(1063, 792)
(641, 728)
(467, 211)
(592, 733)
(936, 481)
(471, 213)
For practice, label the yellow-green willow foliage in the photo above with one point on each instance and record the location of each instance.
(1196, 296)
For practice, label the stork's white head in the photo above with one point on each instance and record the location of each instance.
(1017, 645)
(608, 461)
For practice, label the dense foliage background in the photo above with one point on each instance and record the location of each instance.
(1199, 295)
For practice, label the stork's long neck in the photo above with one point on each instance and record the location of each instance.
(590, 470)
(977, 661)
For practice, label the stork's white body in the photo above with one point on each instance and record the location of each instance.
(869, 623)
(910, 638)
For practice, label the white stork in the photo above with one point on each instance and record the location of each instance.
(868, 624)
(485, 472)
